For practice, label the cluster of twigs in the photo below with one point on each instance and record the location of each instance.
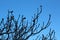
(49, 36)
(15, 29)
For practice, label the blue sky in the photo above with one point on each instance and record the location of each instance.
(28, 8)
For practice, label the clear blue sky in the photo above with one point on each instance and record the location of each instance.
(28, 8)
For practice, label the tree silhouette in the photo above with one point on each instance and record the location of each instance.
(15, 29)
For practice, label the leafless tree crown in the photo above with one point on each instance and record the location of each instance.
(15, 29)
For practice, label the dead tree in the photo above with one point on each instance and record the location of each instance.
(15, 29)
